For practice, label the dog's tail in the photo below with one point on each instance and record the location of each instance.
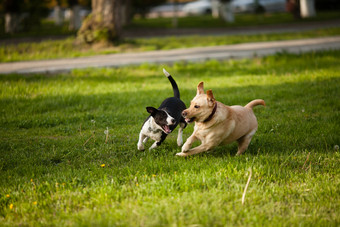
(255, 103)
(173, 83)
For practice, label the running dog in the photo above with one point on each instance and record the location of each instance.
(163, 120)
(216, 123)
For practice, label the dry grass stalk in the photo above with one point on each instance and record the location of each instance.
(245, 189)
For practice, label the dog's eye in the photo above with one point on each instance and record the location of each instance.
(196, 106)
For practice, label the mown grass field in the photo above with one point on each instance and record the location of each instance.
(241, 20)
(48, 28)
(57, 168)
(44, 48)
(52, 49)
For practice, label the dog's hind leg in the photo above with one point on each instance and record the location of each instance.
(244, 142)
(180, 134)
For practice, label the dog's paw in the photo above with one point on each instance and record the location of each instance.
(140, 147)
(181, 154)
(185, 148)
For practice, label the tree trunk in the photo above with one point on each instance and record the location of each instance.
(58, 15)
(175, 14)
(227, 12)
(307, 8)
(126, 12)
(10, 24)
(75, 20)
(104, 23)
(12, 15)
(215, 4)
(293, 7)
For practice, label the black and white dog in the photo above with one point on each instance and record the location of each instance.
(164, 120)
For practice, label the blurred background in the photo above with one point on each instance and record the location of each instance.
(110, 20)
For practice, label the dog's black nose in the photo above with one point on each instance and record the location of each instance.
(173, 121)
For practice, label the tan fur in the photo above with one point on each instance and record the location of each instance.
(228, 124)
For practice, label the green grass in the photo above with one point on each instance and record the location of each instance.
(68, 49)
(241, 20)
(48, 28)
(52, 147)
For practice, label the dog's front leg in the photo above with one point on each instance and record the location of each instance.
(188, 143)
(195, 150)
(140, 144)
(158, 143)
(154, 145)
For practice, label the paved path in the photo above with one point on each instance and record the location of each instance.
(246, 50)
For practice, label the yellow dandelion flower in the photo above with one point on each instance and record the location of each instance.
(31, 180)
(7, 195)
(153, 175)
(102, 165)
(11, 206)
(35, 203)
(137, 184)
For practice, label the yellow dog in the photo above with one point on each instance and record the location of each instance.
(216, 123)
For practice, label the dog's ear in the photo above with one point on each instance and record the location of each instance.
(151, 110)
(200, 89)
(210, 97)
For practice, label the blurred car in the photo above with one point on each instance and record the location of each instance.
(167, 7)
(199, 7)
(244, 6)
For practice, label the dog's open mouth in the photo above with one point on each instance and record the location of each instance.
(189, 120)
(166, 129)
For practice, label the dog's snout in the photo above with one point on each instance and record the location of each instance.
(184, 113)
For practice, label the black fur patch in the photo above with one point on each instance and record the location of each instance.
(160, 118)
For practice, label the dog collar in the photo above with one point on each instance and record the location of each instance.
(211, 115)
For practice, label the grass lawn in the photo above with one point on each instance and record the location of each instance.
(241, 20)
(48, 28)
(57, 170)
(68, 49)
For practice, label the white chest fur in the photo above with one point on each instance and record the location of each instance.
(152, 130)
